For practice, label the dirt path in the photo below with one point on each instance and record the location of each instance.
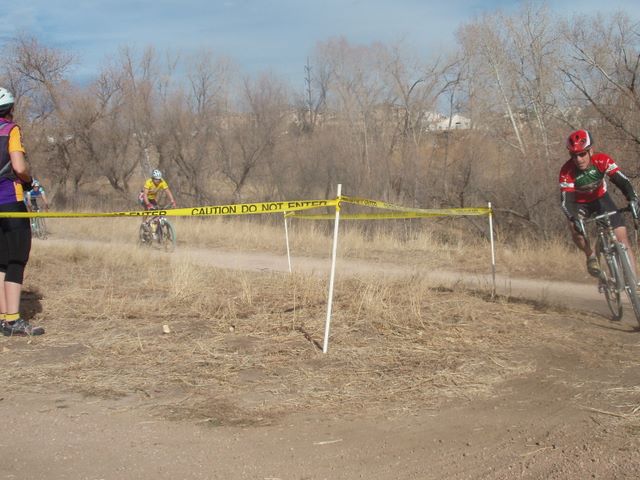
(566, 294)
(573, 416)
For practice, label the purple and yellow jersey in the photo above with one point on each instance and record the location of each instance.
(10, 141)
(153, 189)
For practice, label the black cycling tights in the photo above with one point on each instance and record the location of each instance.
(15, 243)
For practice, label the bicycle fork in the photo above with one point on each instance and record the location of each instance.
(608, 248)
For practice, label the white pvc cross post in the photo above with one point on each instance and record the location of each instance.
(493, 251)
(286, 236)
(325, 346)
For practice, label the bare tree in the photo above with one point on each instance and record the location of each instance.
(249, 139)
(37, 74)
(416, 89)
(314, 100)
(603, 68)
(484, 45)
(357, 93)
(534, 58)
(196, 119)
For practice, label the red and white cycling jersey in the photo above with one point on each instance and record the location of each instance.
(589, 184)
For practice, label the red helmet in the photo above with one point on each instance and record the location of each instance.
(579, 141)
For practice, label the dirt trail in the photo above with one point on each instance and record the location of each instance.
(557, 422)
(566, 294)
(555, 293)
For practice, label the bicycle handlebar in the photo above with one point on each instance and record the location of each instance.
(164, 207)
(607, 214)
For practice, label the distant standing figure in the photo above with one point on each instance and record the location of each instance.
(15, 233)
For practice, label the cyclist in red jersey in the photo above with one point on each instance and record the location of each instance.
(583, 191)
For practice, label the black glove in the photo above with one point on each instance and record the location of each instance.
(26, 186)
(578, 224)
(633, 206)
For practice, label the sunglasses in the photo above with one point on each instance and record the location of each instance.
(581, 154)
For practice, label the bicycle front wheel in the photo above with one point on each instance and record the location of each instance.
(143, 236)
(34, 227)
(42, 228)
(610, 280)
(168, 239)
(631, 286)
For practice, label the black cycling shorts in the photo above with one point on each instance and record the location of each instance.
(15, 243)
(602, 205)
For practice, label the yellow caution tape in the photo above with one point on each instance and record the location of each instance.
(428, 212)
(254, 208)
(213, 210)
(288, 207)
(366, 216)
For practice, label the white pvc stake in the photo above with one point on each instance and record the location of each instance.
(325, 346)
(286, 235)
(493, 251)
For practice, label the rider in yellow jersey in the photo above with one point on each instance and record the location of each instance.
(153, 188)
(149, 196)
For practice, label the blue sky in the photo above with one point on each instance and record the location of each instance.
(258, 35)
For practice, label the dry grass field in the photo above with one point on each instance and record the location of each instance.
(227, 349)
(455, 244)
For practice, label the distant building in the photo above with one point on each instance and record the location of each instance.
(437, 122)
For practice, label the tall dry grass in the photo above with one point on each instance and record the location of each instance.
(243, 347)
(451, 245)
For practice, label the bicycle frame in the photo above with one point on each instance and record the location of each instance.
(38, 226)
(158, 219)
(617, 273)
(157, 229)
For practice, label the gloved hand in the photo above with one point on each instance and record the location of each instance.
(635, 209)
(578, 224)
(26, 186)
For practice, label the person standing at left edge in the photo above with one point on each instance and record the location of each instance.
(15, 233)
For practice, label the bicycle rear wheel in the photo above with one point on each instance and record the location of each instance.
(610, 278)
(38, 229)
(168, 239)
(631, 286)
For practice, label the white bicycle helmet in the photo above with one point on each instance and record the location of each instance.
(6, 100)
(156, 174)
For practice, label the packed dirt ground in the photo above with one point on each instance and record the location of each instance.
(426, 377)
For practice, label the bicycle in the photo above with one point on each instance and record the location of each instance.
(617, 273)
(157, 232)
(38, 227)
